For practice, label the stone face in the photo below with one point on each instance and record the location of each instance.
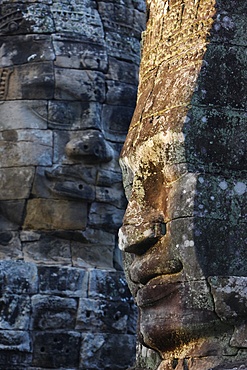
(68, 84)
(183, 163)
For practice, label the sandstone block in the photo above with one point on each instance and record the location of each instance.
(70, 115)
(106, 317)
(25, 114)
(55, 214)
(15, 183)
(49, 313)
(68, 282)
(10, 245)
(23, 148)
(105, 216)
(15, 340)
(48, 251)
(15, 312)
(79, 85)
(25, 48)
(11, 214)
(56, 349)
(119, 93)
(101, 351)
(115, 121)
(92, 256)
(109, 285)
(81, 55)
(32, 83)
(18, 277)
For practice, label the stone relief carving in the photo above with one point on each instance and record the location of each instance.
(69, 73)
(184, 167)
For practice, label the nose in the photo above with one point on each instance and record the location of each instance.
(90, 146)
(141, 228)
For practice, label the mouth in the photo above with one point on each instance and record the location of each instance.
(158, 288)
(70, 184)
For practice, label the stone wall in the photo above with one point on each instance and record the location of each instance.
(68, 80)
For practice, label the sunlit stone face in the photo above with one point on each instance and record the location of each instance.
(66, 102)
(184, 230)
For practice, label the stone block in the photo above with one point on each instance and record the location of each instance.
(106, 317)
(56, 349)
(15, 340)
(122, 46)
(25, 114)
(107, 351)
(15, 183)
(105, 217)
(70, 115)
(18, 277)
(108, 285)
(11, 214)
(26, 148)
(98, 256)
(55, 214)
(122, 71)
(79, 85)
(83, 55)
(25, 48)
(113, 194)
(120, 93)
(32, 82)
(214, 88)
(15, 360)
(63, 281)
(50, 313)
(228, 27)
(116, 121)
(10, 245)
(215, 150)
(47, 250)
(14, 312)
(81, 20)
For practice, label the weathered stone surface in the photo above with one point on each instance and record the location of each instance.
(108, 285)
(56, 350)
(103, 351)
(56, 214)
(10, 245)
(37, 83)
(47, 251)
(68, 282)
(18, 277)
(184, 162)
(68, 80)
(15, 183)
(92, 256)
(15, 312)
(23, 115)
(106, 317)
(11, 214)
(22, 49)
(20, 148)
(15, 340)
(53, 312)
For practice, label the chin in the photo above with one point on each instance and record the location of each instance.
(169, 329)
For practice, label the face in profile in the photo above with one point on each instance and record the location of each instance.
(66, 102)
(184, 242)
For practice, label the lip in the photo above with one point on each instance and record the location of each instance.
(69, 184)
(158, 288)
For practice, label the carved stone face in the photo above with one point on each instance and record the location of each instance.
(66, 102)
(184, 234)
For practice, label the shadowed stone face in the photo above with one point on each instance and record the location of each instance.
(184, 162)
(68, 81)
(68, 87)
